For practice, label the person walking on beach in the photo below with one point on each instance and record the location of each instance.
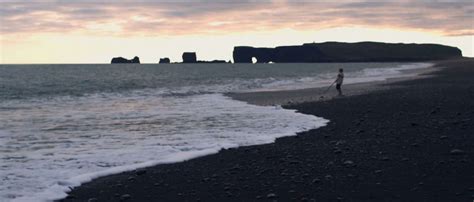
(339, 79)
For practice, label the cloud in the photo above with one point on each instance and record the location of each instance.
(161, 17)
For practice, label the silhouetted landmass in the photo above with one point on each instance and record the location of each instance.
(213, 61)
(329, 52)
(346, 52)
(124, 60)
(164, 61)
(189, 57)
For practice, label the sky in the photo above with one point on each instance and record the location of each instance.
(94, 31)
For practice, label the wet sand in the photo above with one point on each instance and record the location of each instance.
(292, 97)
(410, 140)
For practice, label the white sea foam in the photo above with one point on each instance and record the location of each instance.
(62, 142)
(60, 188)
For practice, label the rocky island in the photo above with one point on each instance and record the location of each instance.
(346, 52)
(164, 61)
(119, 60)
(191, 57)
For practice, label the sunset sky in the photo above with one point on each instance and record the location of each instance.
(94, 31)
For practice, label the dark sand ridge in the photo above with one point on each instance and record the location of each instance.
(412, 142)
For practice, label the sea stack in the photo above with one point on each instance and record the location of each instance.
(119, 60)
(189, 57)
(164, 61)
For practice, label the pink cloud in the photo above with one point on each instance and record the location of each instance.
(171, 18)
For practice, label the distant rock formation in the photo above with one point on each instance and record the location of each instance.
(346, 52)
(123, 60)
(189, 57)
(213, 61)
(164, 61)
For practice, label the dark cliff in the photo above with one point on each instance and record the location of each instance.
(123, 60)
(346, 52)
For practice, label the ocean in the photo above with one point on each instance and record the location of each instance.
(63, 125)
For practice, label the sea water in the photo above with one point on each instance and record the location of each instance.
(63, 125)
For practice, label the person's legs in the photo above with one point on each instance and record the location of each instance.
(338, 87)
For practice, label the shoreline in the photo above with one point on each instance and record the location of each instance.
(108, 188)
(298, 96)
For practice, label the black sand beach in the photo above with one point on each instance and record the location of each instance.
(412, 142)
